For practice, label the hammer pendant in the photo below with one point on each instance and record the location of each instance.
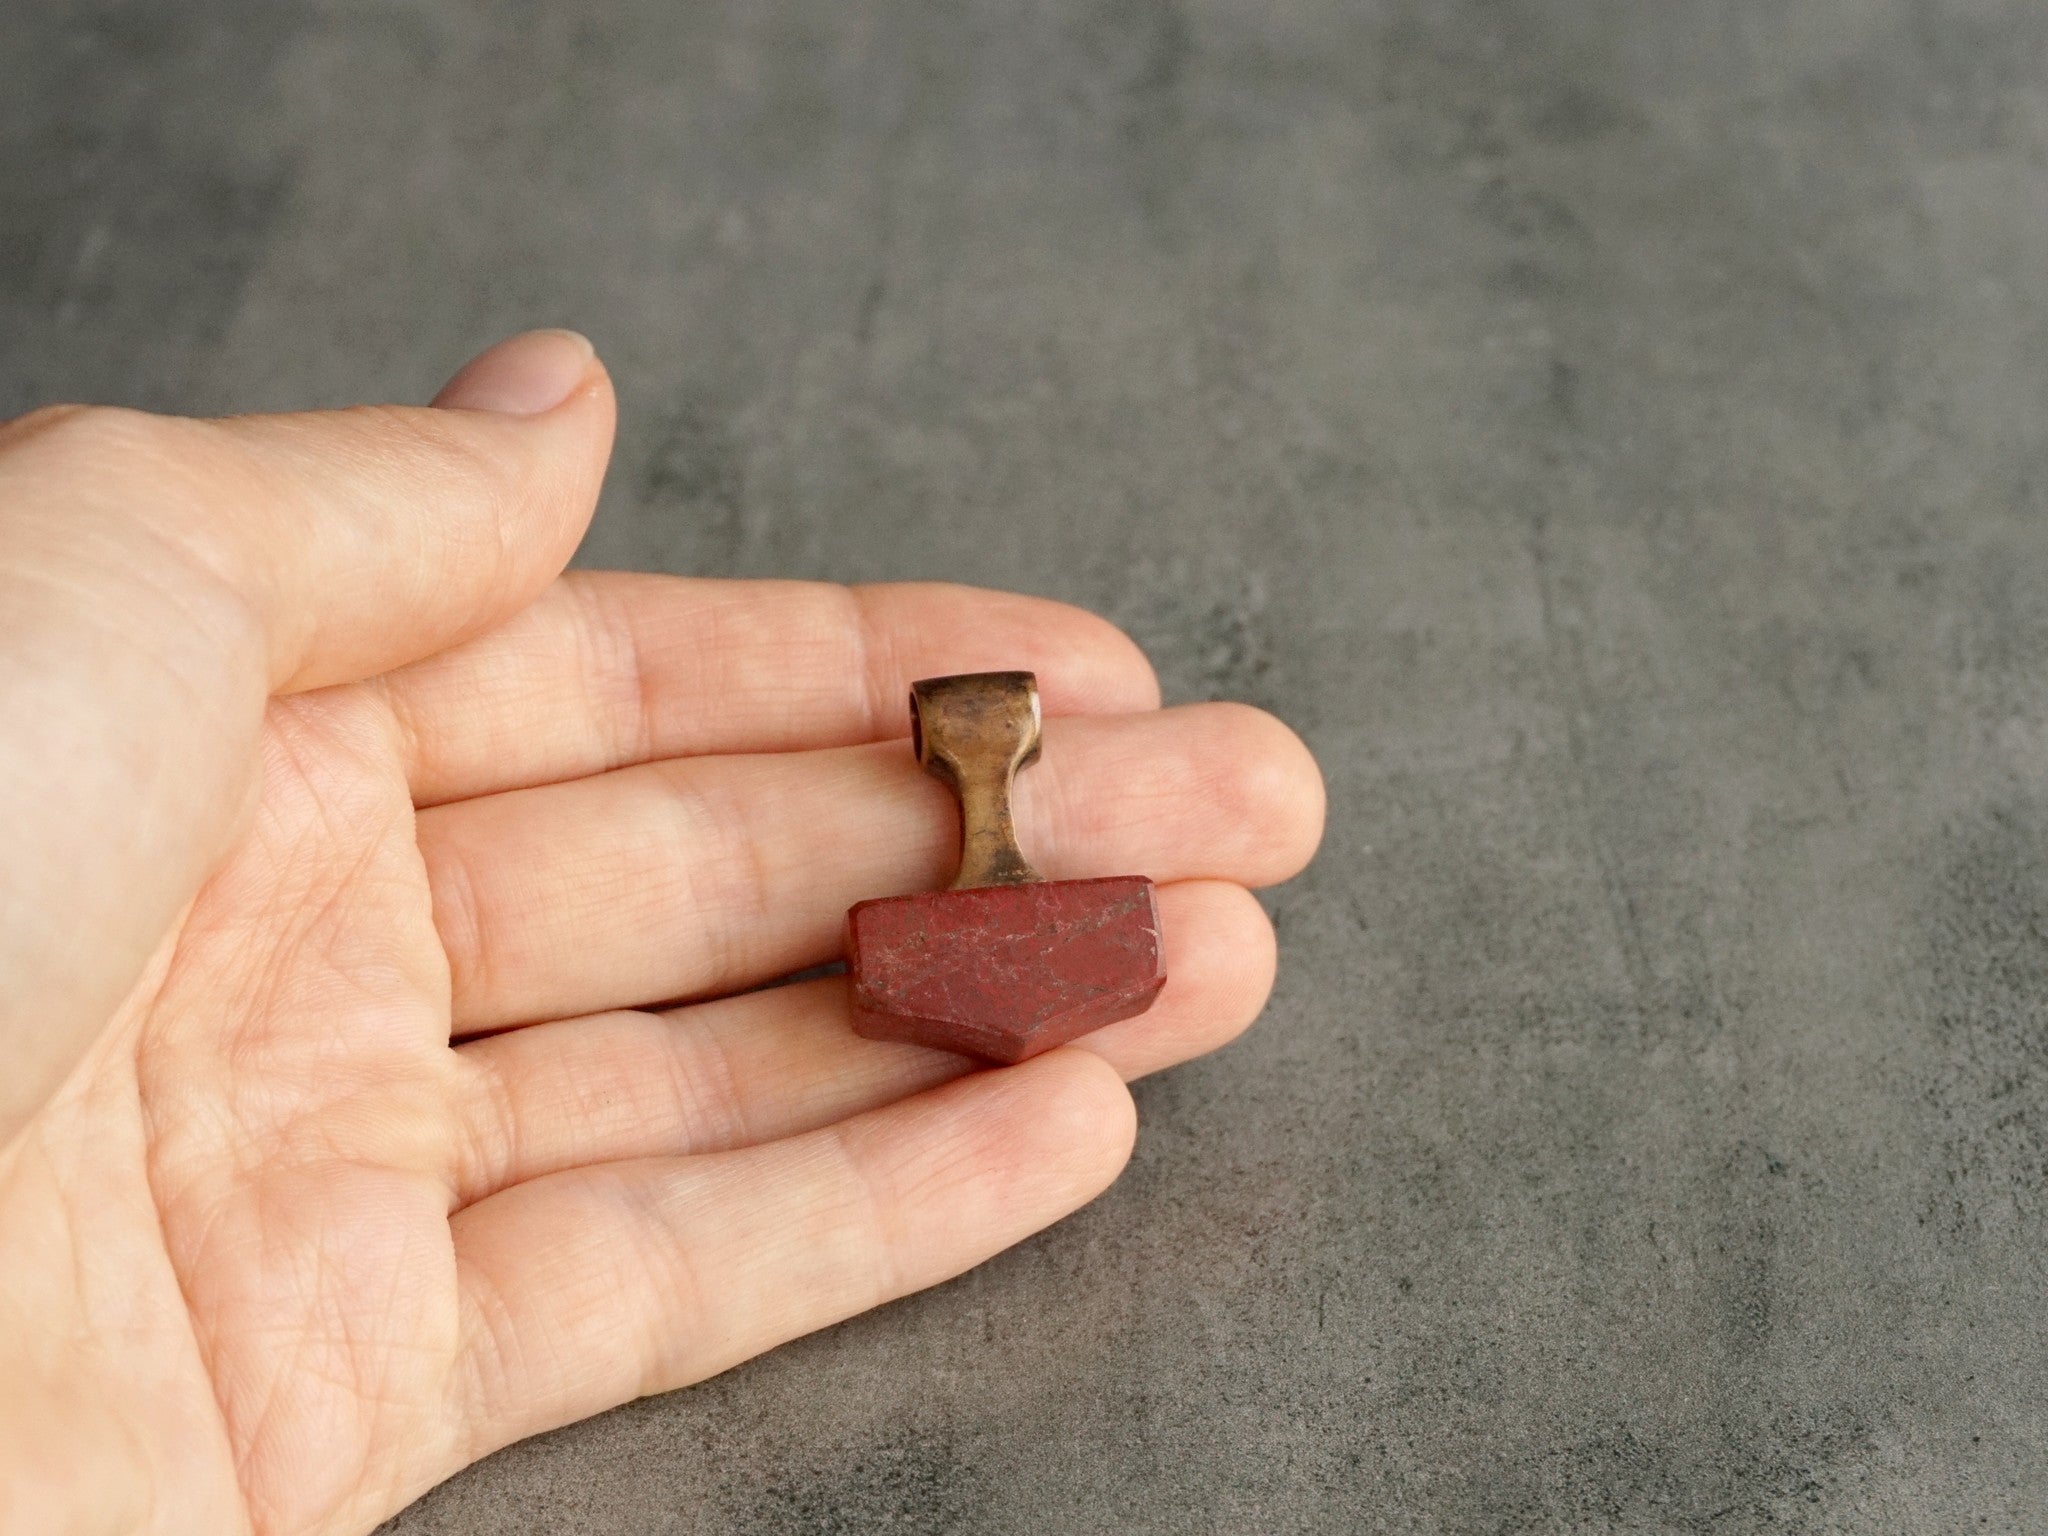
(1006, 964)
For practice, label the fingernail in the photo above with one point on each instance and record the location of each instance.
(521, 376)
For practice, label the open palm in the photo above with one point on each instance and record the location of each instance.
(341, 784)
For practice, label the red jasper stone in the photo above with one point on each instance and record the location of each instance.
(1005, 971)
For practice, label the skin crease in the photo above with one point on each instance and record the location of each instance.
(315, 765)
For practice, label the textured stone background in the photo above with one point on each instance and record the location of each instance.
(1612, 432)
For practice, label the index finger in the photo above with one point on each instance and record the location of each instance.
(611, 668)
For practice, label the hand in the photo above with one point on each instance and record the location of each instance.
(315, 772)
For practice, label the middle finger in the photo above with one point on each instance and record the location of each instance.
(706, 875)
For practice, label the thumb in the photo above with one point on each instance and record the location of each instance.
(160, 577)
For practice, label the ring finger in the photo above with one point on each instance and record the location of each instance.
(746, 1070)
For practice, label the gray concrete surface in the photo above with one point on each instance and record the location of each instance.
(1616, 434)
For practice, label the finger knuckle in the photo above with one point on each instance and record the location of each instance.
(1272, 783)
(39, 422)
(94, 438)
(1124, 657)
(129, 490)
(160, 472)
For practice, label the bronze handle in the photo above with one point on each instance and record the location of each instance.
(973, 733)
